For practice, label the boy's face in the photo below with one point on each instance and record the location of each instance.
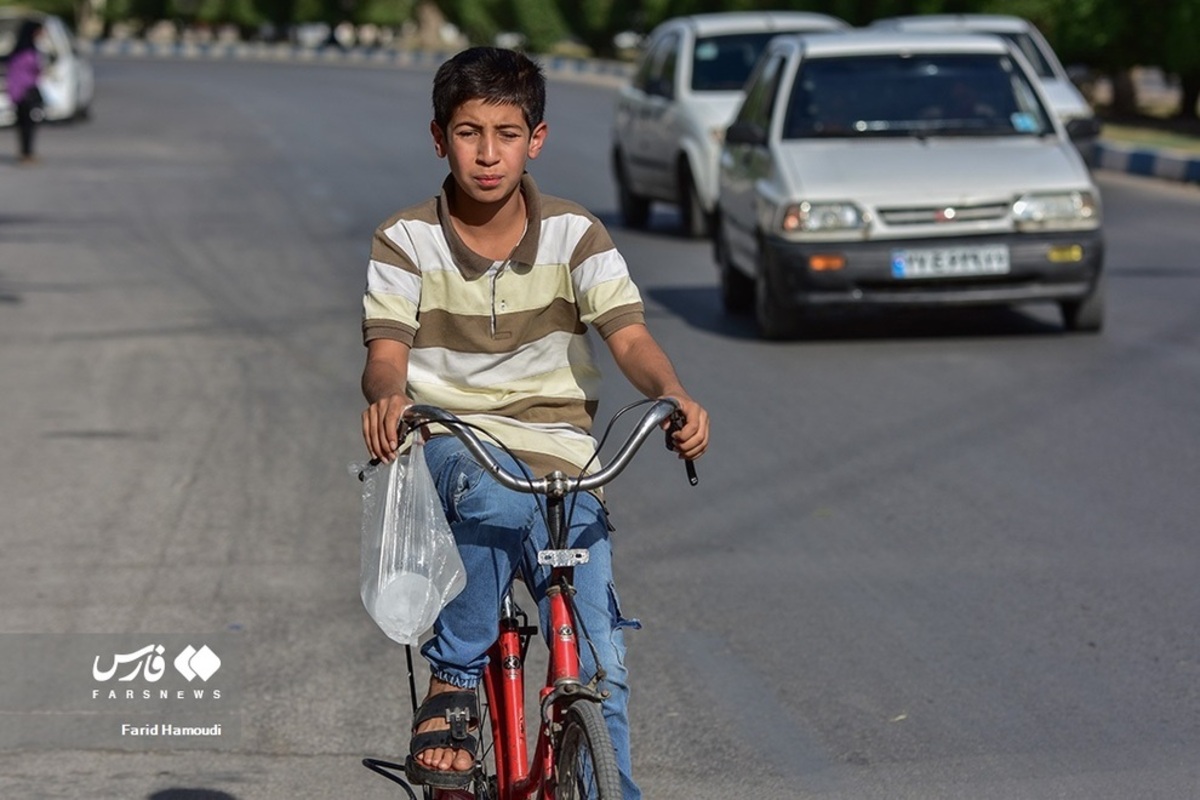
(487, 145)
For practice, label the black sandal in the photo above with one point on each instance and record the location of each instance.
(459, 708)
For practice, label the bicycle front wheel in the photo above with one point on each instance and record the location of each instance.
(585, 764)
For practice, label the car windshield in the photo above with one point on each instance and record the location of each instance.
(722, 63)
(913, 95)
(1033, 54)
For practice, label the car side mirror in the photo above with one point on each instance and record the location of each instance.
(743, 132)
(1083, 128)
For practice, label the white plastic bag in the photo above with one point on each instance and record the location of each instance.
(410, 564)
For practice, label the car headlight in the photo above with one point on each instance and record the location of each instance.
(823, 218)
(1059, 211)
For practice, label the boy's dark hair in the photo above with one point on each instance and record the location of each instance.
(493, 75)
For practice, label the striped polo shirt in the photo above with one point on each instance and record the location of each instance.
(504, 345)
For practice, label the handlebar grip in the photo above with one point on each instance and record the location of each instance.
(675, 424)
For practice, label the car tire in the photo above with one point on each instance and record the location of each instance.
(696, 223)
(1086, 315)
(737, 290)
(772, 319)
(635, 210)
(83, 111)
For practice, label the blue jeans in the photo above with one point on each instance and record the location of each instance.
(499, 532)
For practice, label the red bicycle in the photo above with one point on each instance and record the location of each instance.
(572, 757)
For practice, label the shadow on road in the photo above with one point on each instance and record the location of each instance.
(191, 794)
(1138, 273)
(664, 222)
(700, 307)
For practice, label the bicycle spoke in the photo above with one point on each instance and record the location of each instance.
(487, 745)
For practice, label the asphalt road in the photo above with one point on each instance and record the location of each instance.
(931, 556)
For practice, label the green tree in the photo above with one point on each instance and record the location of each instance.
(143, 11)
(1107, 36)
(1180, 54)
(281, 14)
(596, 22)
(541, 23)
(388, 13)
(242, 13)
(862, 12)
(480, 20)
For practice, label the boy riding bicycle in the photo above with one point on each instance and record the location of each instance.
(479, 301)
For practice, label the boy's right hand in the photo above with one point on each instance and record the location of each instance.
(690, 437)
(381, 426)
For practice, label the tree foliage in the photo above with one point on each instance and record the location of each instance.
(541, 22)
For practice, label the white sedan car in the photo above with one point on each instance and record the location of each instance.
(891, 169)
(1064, 99)
(67, 83)
(670, 118)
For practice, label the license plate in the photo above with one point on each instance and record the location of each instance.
(950, 262)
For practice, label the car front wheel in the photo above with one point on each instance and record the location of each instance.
(1086, 315)
(737, 291)
(691, 208)
(82, 110)
(772, 319)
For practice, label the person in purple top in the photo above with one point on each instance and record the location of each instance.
(24, 69)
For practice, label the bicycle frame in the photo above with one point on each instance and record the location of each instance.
(518, 776)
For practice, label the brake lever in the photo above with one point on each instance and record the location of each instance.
(675, 423)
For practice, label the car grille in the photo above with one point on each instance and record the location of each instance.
(933, 215)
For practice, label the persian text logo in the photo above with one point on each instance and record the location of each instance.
(150, 664)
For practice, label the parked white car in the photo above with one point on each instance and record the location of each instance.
(886, 169)
(67, 83)
(1064, 98)
(670, 118)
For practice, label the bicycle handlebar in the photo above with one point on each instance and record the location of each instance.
(556, 484)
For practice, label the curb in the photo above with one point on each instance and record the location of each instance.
(564, 67)
(1166, 164)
